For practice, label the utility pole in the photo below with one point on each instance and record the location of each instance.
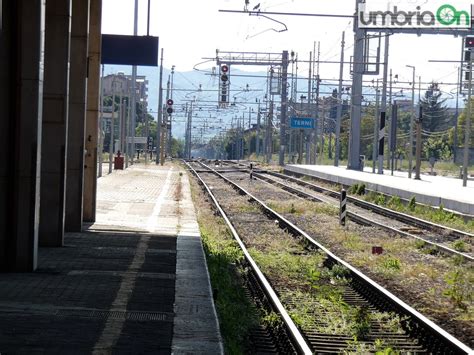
(250, 118)
(310, 82)
(112, 119)
(356, 94)
(257, 148)
(124, 127)
(383, 110)
(376, 128)
(190, 136)
(418, 143)
(134, 90)
(323, 116)
(418, 133)
(317, 119)
(317, 105)
(467, 131)
(164, 130)
(389, 123)
(270, 131)
(339, 105)
(186, 131)
(127, 127)
(265, 119)
(242, 137)
(293, 103)
(120, 127)
(456, 116)
(313, 110)
(147, 131)
(160, 112)
(412, 118)
(393, 134)
(284, 107)
(170, 123)
(101, 123)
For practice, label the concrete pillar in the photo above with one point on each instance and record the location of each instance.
(55, 120)
(77, 114)
(21, 90)
(92, 116)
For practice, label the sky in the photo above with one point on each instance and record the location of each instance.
(191, 30)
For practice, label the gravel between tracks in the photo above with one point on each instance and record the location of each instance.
(417, 278)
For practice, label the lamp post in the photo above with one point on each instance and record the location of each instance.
(101, 123)
(112, 123)
(376, 125)
(170, 135)
(467, 131)
(410, 145)
(418, 133)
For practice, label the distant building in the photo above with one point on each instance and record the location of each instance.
(123, 85)
(404, 105)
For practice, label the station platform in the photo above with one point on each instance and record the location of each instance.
(134, 282)
(430, 190)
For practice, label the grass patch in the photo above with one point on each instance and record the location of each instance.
(353, 242)
(436, 215)
(459, 245)
(459, 288)
(391, 263)
(237, 315)
(357, 189)
(302, 207)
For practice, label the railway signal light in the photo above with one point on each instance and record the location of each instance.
(169, 106)
(224, 85)
(469, 42)
(224, 73)
(467, 55)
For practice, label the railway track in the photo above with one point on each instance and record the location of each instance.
(372, 305)
(435, 236)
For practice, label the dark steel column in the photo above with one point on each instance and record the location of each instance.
(77, 114)
(55, 121)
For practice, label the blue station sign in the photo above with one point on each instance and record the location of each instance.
(302, 123)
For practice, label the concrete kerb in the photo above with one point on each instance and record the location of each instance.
(193, 295)
(430, 200)
(196, 327)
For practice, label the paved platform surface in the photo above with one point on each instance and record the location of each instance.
(134, 282)
(430, 190)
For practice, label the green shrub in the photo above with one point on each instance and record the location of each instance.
(361, 189)
(292, 209)
(379, 199)
(394, 203)
(361, 326)
(420, 244)
(458, 288)
(459, 245)
(353, 189)
(412, 204)
(391, 263)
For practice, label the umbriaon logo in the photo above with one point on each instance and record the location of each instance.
(444, 15)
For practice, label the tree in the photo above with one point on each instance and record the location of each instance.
(177, 148)
(435, 112)
(462, 126)
(438, 148)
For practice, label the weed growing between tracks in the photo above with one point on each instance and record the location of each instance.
(436, 215)
(314, 295)
(429, 283)
(237, 316)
